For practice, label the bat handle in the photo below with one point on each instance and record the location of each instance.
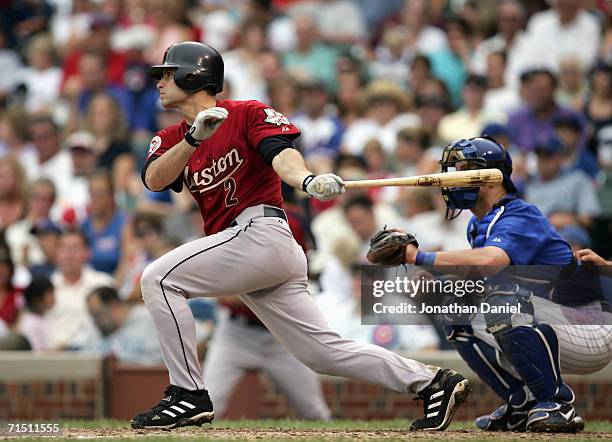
(320, 187)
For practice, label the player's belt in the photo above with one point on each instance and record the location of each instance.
(268, 211)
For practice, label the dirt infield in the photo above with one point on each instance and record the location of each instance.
(260, 434)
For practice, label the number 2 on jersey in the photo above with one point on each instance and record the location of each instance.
(230, 190)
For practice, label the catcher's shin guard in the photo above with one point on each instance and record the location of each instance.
(534, 353)
(484, 360)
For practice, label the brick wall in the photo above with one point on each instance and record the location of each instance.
(357, 400)
(50, 386)
(54, 400)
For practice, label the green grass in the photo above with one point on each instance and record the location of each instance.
(397, 424)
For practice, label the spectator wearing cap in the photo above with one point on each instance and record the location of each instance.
(533, 123)
(47, 235)
(451, 65)
(565, 196)
(11, 300)
(71, 326)
(509, 39)
(387, 111)
(469, 120)
(500, 98)
(570, 129)
(32, 324)
(20, 237)
(73, 204)
(565, 29)
(321, 129)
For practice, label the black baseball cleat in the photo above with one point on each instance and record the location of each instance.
(506, 418)
(554, 417)
(441, 399)
(178, 408)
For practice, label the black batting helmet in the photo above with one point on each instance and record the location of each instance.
(198, 66)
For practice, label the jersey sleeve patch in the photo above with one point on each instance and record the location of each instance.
(275, 117)
(155, 144)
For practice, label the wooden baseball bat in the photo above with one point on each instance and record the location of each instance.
(461, 178)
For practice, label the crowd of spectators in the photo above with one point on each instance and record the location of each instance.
(378, 87)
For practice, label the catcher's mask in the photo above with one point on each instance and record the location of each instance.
(473, 153)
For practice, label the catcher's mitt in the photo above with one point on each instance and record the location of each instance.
(388, 247)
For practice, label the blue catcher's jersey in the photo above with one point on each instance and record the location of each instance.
(522, 231)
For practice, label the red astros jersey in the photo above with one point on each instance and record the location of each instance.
(227, 174)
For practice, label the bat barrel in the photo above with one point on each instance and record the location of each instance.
(462, 178)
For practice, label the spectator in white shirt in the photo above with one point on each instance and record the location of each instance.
(41, 79)
(564, 30)
(74, 280)
(32, 323)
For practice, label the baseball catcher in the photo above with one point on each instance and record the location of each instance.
(521, 358)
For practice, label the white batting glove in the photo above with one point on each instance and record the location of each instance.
(324, 187)
(207, 122)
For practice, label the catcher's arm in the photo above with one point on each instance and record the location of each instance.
(396, 247)
(484, 256)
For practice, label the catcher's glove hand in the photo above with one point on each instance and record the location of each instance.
(388, 247)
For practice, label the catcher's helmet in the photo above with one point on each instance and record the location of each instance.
(197, 66)
(474, 153)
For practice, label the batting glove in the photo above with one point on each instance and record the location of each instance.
(207, 122)
(323, 187)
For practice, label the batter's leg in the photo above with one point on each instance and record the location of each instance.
(216, 265)
(297, 382)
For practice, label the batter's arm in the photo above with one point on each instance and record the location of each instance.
(164, 170)
(290, 166)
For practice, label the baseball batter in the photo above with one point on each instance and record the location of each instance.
(232, 155)
(521, 357)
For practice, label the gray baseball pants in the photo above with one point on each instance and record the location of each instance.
(259, 260)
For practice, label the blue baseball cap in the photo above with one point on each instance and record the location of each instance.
(495, 129)
(550, 146)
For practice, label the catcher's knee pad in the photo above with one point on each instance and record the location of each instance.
(534, 353)
(485, 361)
(508, 306)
